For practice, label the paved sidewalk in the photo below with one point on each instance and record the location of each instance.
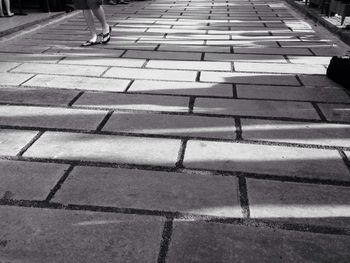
(205, 131)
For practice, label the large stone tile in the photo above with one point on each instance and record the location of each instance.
(314, 80)
(12, 141)
(28, 180)
(57, 236)
(326, 94)
(106, 148)
(41, 58)
(311, 60)
(5, 66)
(152, 190)
(307, 203)
(327, 134)
(266, 159)
(162, 55)
(280, 68)
(79, 70)
(167, 124)
(189, 48)
(273, 51)
(50, 117)
(213, 242)
(245, 58)
(151, 74)
(336, 112)
(182, 88)
(249, 78)
(287, 109)
(104, 61)
(190, 65)
(134, 102)
(14, 78)
(82, 83)
(39, 96)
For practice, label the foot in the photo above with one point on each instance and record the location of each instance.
(2, 15)
(106, 36)
(92, 41)
(10, 14)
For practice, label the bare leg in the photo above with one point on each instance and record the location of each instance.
(100, 14)
(7, 5)
(90, 23)
(1, 11)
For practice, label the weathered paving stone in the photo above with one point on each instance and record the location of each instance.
(55, 236)
(14, 79)
(151, 190)
(311, 60)
(336, 112)
(50, 117)
(152, 74)
(280, 68)
(249, 78)
(133, 102)
(214, 242)
(104, 61)
(326, 94)
(39, 96)
(190, 65)
(105, 148)
(266, 159)
(303, 110)
(322, 81)
(188, 48)
(245, 58)
(327, 134)
(166, 124)
(5, 66)
(60, 69)
(162, 55)
(83, 83)
(307, 203)
(28, 180)
(12, 141)
(41, 58)
(273, 51)
(182, 88)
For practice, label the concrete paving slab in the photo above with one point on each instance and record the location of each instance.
(60, 69)
(245, 58)
(133, 102)
(261, 108)
(41, 58)
(336, 112)
(28, 180)
(186, 48)
(321, 81)
(50, 117)
(182, 88)
(37, 96)
(151, 190)
(104, 61)
(105, 148)
(190, 65)
(326, 94)
(50, 235)
(310, 60)
(80, 83)
(12, 141)
(6, 66)
(249, 78)
(273, 51)
(326, 134)
(320, 204)
(151, 74)
(167, 124)
(214, 242)
(280, 68)
(14, 78)
(162, 55)
(265, 159)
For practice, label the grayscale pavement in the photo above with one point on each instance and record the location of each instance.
(205, 131)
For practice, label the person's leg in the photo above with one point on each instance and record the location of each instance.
(100, 14)
(1, 11)
(7, 6)
(90, 23)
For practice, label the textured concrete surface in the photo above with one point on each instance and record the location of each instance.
(204, 131)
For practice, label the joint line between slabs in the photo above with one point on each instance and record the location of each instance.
(75, 98)
(345, 159)
(319, 112)
(30, 143)
(166, 238)
(59, 183)
(104, 121)
(243, 196)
